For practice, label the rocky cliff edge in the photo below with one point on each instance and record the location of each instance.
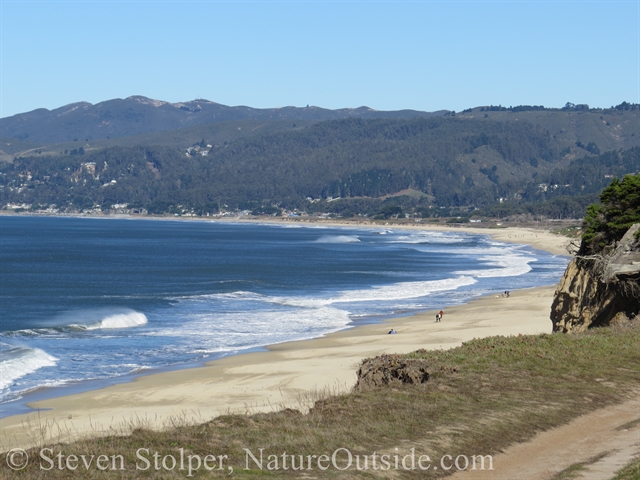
(600, 290)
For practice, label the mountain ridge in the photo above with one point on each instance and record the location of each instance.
(137, 115)
(503, 160)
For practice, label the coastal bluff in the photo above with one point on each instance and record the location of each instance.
(600, 289)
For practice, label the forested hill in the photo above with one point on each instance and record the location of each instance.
(382, 166)
(139, 115)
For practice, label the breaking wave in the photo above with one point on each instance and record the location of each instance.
(338, 239)
(396, 291)
(121, 320)
(100, 319)
(509, 264)
(16, 362)
(404, 290)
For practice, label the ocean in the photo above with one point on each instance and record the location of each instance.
(86, 299)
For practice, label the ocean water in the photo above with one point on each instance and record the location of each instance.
(85, 299)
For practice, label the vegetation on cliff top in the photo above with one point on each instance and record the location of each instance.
(607, 222)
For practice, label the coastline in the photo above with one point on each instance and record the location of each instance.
(287, 372)
(539, 238)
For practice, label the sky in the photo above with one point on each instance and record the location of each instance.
(387, 55)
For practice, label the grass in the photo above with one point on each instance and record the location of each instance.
(576, 470)
(480, 398)
(629, 425)
(630, 472)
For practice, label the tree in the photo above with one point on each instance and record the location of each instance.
(389, 210)
(608, 222)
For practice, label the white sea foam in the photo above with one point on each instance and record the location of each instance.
(217, 332)
(404, 290)
(16, 362)
(240, 294)
(396, 291)
(431, 238)
(98, 319)
(120, 320)
(509, 263)
(338, 239)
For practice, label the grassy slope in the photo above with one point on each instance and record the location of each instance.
(481, 397)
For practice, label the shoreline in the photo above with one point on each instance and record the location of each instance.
(539, 238)
(286, 372)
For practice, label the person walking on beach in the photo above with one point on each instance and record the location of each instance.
(441, 314)
(437, 317)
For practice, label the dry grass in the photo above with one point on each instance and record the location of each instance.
(481, 397)
(576, 470)
(630, 472)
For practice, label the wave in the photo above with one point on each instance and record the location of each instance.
(396, 291)
(80, 321)
(214, 332)
(119, 320)
(16, 362)
(404, 290)
(338, 239)
(98, 319)
(509, 265)
(431, 238)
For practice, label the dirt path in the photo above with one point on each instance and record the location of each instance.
(612, 433)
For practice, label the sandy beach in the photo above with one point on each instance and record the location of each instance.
(288, 374)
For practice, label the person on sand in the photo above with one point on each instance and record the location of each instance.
(441, 314)
(392, 332)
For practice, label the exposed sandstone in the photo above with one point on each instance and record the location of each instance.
(389, 370)
(600, 290)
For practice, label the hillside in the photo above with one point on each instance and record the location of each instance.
(138, 115)
(503, 161)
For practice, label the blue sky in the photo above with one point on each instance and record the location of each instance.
(423, 55)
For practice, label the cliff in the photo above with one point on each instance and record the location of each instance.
(600, 289)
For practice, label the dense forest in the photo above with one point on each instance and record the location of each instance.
(417, 166)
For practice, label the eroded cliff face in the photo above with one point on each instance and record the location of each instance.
(600, 290)
(392, 370)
